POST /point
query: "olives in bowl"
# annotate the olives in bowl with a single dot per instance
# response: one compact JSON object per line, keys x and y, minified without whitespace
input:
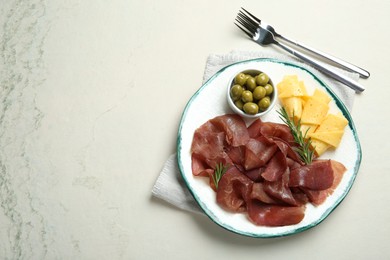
{"x":251,"y":93}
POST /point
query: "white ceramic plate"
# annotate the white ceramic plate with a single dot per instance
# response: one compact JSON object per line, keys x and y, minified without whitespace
{"x":210,"y":101}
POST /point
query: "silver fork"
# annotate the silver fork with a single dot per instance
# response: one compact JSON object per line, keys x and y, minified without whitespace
{"x":362,"y":73}
{"x":264,"y":37}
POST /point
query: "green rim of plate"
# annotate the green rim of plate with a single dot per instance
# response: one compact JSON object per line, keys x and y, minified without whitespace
{"x":204,"y":207}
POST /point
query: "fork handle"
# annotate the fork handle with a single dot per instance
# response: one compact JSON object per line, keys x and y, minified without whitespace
{"x":326,"y":70}
{"x":363,"y":73}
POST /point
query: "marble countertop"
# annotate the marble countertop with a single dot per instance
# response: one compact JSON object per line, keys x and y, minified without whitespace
{"x":91,"y":96}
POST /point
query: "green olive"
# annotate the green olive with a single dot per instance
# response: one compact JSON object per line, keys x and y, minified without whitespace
{"x":239,"y":104}
{"x":236,"y":92}
{"x":269,"y":89}
{"x":251,"y":83}
{"x":250,"y":108}
{"x":247,"y":96}
{"x":264,"y":103}
{"x":240,"y":79}
{"x":262,"y":79}
{"x":259,"y":93}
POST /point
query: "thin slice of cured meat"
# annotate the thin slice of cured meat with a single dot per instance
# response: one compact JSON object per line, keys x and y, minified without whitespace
{"x":233,"y":190}
{"x":281,"y":131}
{"x":275,"y":168}
{"x":199,"y":167}
{"x":234,"y":127}
{"x":236,"y":154}
{"x":258,"y":152}
{"x":270,"y":129}
{"x":292,"y":164}
{"x":208,"y":149}
{"x":280,"y":190}
{"x":254,"y":128}
{"x":208,"y":141}
{"x":274,"y":215}
{"x":255,"y":174}
{"x":258,"y":193}
{"x":317,"y":197}
{"x":287,"y":149}
{"x":316,"y":176}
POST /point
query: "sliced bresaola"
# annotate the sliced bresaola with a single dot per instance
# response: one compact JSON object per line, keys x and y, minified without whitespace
{"x":317,"y":197}
{"x":276,"y":167}
{"x":254,"y":128}
{"x":233,"y":191}
{"x":270,"y":129}
{"x":281,"y":131}
{"x":236,"y":154}
{"x":208,"y":149}
{"x":316,"y":176}
{"x":266,"y":177}
{"x":234,"y":128}
{"x":208,"y":141}
{"x":258,"y":152}
{"x":199,"y":167}
{"x":258,"y":193}
{"x":280,"y":189}
{"x":255,"y":174}
{"x":287,"y":149}
{"x":274,"y":215}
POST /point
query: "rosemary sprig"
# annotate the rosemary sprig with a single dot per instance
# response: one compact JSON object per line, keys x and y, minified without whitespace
{"x":304,"y":143}
{"x":219,"y":171}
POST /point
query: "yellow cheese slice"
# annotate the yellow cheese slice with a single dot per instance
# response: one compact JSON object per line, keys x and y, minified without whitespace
{"x":321,"y":96}
{"x":333,"y":122}
{"x":319,"y":147}
{"x":282,"y":86}
{"x":286,"y":82}
{"x":314,"y":111}
{"x":308,"y":129}
{"x":290,"y":86}
{"x":294,"y":90}
{"x":293,"y":106}
{"x":332,"y":138}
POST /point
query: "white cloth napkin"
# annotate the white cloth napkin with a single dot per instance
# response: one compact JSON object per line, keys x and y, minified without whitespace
{"x":169,"y":185}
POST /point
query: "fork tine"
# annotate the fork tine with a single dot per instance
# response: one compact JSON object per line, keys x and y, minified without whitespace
{"x":244,"y":30}
{"x":247,"y":23}
{"x":250,"y":22}
{"x":251,"y":15}
{"x":245,"y":26}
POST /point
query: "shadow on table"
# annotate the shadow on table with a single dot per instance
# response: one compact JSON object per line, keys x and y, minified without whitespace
{"x":206,"y":225}
{"x":221,"y":234}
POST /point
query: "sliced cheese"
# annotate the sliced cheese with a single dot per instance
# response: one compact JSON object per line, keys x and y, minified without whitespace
{"x":325,"y":130}
{"x":319,"y":147}
{"x":314,"y":111}
{"x":308,"y":129}
{"x":290,"y":86}
{"x":293,"y":106}
{"x":333,"y":122}
{"x":332,"y":138}
{"x":286,"y":82}
{"x":321,"y":96}
{"x":293,"y":90}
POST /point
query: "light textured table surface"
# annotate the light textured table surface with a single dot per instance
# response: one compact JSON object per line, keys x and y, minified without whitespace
{"x":91,"y":97}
